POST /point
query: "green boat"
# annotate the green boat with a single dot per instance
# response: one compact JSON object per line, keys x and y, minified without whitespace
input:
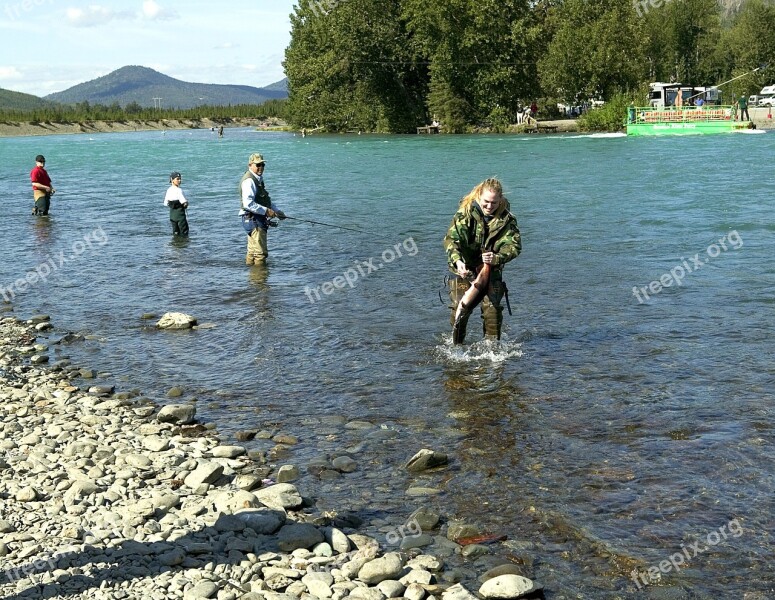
{"x":689,"y":120}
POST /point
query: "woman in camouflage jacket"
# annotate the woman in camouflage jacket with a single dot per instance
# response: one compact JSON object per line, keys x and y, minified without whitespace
{"x":482,"y":231}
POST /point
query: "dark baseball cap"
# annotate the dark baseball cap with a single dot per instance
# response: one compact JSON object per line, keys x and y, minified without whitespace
{"x":175,"y":175}
{"x":40,"y":158}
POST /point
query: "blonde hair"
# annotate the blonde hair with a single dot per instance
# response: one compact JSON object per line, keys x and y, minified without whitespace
{"x":491,"y":184}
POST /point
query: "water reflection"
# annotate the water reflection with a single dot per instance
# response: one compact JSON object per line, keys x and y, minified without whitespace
{"x":258,"y":277}
{"x":42,"y":228}
{"x":179,"y":241}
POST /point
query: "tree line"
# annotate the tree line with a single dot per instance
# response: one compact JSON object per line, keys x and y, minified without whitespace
{"x":391,"y":65}
{"x":83,"y":112}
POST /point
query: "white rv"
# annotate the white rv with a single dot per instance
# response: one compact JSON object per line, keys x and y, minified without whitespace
{"x":664,"y":94}
{"x":767,"y":96}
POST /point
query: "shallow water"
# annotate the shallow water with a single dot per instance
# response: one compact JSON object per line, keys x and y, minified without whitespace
{"x":612,"y":433}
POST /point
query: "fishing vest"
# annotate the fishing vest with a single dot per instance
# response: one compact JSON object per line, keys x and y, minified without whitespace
{"x":262,"y":196}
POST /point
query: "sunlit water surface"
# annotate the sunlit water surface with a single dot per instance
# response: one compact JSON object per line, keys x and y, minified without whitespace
{"x":610,"y":432}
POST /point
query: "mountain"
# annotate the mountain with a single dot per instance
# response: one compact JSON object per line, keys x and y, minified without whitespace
{"x":143,"y":85}
{"x":278,"y":86}
{"x":18,"y":101}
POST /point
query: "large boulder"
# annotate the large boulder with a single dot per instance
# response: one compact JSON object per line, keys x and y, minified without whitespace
{"x":380,"y":569}
{"x":176,"y":320}
{"x":263,"y":521}
{"x":508,"y":586}
{"x":280,"y":495}
{"x":293,"y":536}
{"x":178,"y":414}
{"x":206,"y":472}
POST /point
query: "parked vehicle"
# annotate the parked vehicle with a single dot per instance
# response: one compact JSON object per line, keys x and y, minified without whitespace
{"x":765,"y":97}
{"x":664,"y":94}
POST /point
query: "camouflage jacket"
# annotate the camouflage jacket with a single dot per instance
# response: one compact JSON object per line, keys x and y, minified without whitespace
{"x":469,"y":236}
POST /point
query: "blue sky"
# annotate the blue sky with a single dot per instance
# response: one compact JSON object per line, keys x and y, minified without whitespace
{"x":50,"y":45}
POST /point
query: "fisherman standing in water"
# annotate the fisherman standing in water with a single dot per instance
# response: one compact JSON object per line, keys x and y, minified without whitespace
{"x":177,"y":204}
{"x":42,"y":190}
{"x":482,"y":238}
{"x":256,"y":209}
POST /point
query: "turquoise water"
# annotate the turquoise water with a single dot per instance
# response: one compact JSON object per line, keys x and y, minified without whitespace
{"x":609,"y":431}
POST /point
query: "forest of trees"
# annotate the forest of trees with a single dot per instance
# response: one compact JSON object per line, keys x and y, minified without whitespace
{"x":83,"y":112}
{"x":391,"y":65}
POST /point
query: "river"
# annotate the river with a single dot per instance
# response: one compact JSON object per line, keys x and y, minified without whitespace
{"x":625,"y":419}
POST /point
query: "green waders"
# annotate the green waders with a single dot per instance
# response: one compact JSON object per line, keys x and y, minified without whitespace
{"x":492,"y":311}
{"x":42,"y":204}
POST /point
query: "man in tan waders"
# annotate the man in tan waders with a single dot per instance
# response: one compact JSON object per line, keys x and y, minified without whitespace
{"x":256,"y":209}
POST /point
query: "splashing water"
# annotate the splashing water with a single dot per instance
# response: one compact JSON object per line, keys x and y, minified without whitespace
{"x":485,"y":350}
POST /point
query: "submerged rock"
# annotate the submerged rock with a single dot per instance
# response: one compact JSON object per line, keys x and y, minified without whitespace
{"x":426,"y":459}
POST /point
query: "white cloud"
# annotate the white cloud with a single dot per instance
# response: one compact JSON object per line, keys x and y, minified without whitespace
{"x":93,"y":16}
{"x":9,"y":73}
{"x":226,"y":46}
{"x":152,"y":11}
{"x":96,"y":15}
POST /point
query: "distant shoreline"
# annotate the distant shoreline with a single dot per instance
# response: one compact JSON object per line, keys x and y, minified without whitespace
{"x":19,"y":128}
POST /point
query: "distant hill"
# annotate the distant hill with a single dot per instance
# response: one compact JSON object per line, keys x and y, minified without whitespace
{"x":278,"y":86}
{"x":142,"y":85}
{"x":18,"y":101}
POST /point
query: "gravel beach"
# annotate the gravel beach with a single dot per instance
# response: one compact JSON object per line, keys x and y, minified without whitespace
{"x":18,"y":128}
{"x":106,"y":495}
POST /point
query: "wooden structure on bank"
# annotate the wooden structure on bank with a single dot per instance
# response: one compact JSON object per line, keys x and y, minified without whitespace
{"x":429,"y":129}
{"x":538,"y":128}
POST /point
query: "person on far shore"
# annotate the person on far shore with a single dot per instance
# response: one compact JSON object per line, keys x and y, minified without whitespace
{"x":256,"y":209}
{"x":42,"y":189}
{"x":483,"y":230}
{"x":743,"y":104}
{"x":177,"y":204}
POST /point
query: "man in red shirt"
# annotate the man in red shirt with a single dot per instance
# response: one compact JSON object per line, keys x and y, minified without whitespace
{"x":42,"y":190}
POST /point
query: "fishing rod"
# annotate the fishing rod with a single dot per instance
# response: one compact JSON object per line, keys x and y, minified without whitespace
{"x":92,"y":196}
{"x":271,"y":223}
{"x":325,"y":224}
{"x":715,"y":87}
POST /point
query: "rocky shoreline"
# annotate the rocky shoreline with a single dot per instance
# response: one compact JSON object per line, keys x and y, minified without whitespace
{"x":107,"y":495}
{"x":52,"y":128}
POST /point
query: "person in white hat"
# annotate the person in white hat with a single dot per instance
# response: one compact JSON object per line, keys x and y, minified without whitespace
{"x":256,"y":209}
